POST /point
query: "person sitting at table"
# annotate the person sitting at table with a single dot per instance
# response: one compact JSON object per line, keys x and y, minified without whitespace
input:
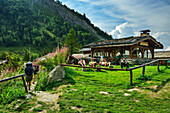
{"x":124,"y":62}
{"x":103,"y":62}
{"x":82,"y":62}
{"x":93,"y":63}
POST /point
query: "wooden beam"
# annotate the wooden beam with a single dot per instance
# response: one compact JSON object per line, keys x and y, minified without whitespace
{"x":121,"y":53}
{"x":92,"y":67}
{"x":92,"y":50}
{"x":142,"y":51}
{"x":109,"y":53}
{"x":130,"y":52}
{"x":6,"y":79}
{"x":152,"y":52}
{"x":147,"y":64}
{"x":114,"y":53}
{"x":142,"y":47}
{"x":24,"y":84}
{"x":158,"y":66}
{"x":166,"y":65}
{"x":131,"y":75}
{"x":22,"y":75}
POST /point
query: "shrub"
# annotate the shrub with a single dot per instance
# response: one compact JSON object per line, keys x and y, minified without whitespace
{"x":13,"y":60}
{"x":10,"y":91}
{"x":53,"y":59}
{"x":3,"y":55}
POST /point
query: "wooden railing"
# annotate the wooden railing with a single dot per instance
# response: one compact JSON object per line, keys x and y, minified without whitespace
{"x":93,"y":67}
{"x":128,"y":69}
{"x":22,"y":75}
{"x":2,"y":62}
{"x":143,"y":65}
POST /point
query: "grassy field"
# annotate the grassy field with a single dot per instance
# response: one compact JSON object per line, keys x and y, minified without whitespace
{"x":106,"y":91}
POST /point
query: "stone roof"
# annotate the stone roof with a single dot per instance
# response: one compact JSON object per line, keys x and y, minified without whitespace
{"x":162,"y":54}
{"x":85,"y":49}
{"x":77,"y":56}
{"x":123,"y":42}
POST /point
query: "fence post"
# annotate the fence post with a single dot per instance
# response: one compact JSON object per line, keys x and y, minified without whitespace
{"x":24,"y":84}
{"x":131,"y":77}
{"x":143,"y":70}
{"x":166,"y":63}
{"x":158,"y":66}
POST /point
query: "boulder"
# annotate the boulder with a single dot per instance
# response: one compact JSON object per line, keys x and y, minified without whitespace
{"x":57,"y":74}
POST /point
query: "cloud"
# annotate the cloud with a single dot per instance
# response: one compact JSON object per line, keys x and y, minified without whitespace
{"x":123,"y":18}
{"x":126,"y":30}
{"x":123,"y":30}
{"x":168,"y":49}
{"x":150,"y":14}
{"x":164,"y":38}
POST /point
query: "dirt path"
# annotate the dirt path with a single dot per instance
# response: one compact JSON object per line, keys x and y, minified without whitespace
{"x":47,"y":97}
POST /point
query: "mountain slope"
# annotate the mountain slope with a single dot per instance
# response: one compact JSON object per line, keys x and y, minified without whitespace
{"x":42,"y":23}
{"x":69,"y":15}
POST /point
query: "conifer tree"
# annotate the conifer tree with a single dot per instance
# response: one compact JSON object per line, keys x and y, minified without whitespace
{"x":72,"y":42}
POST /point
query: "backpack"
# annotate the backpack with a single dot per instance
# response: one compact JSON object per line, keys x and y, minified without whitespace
{"x":28,"y":70}
{"x":37,"y":68}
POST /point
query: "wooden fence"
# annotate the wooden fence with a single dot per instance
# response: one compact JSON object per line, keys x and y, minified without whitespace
{"x":128,"y":69}
{"x":2,"y":62}
{"x":143,"y":65}
{"x":22,"y":75}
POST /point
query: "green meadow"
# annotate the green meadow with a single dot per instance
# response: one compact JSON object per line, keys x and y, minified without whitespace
{"x":103,"y":92}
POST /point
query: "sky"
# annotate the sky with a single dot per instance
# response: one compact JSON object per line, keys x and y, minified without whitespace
{"x":124,"y":18}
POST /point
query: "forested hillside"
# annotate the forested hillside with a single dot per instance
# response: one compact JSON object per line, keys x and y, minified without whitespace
{"x":23,"y":25}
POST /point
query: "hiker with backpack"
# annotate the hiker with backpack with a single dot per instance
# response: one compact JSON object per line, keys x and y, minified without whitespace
{"x":29,"y":71}
{"x":36,"y":69}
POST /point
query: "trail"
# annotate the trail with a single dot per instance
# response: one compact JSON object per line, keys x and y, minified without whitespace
{"x":47,"y":97}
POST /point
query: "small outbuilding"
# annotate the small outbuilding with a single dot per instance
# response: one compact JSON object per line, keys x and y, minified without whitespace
{"x":132,"y":47}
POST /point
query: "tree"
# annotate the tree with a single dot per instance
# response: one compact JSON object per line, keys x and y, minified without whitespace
{"x":72,"y":42}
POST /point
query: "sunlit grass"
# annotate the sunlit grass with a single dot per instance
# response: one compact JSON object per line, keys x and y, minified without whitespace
{"x":89,"y":84}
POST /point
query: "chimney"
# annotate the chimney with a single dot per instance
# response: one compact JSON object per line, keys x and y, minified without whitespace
{"x":145,"y":33}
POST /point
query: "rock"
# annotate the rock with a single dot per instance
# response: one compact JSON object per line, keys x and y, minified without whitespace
{"x":76,"y":108}
{"x":73,"y":90}
{"x":120,"y":91}
{"x":16,"y":106}
{"x":137,"y":101}
{"x":126,"y":94}
{"x":53,"y":89}
{"x":18,"y":100}
{"x":103,"y":92}
{"x":134,"y":89}
{"x":29,"y":96}
{"x":57,"y":74}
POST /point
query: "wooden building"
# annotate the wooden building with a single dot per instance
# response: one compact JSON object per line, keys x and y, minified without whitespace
{"x":138,"y":46}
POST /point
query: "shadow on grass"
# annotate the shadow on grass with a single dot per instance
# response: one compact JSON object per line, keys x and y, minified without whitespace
{"x":161,"y":85}
{"x":142,"y":79}
{"x":163,"y":70}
